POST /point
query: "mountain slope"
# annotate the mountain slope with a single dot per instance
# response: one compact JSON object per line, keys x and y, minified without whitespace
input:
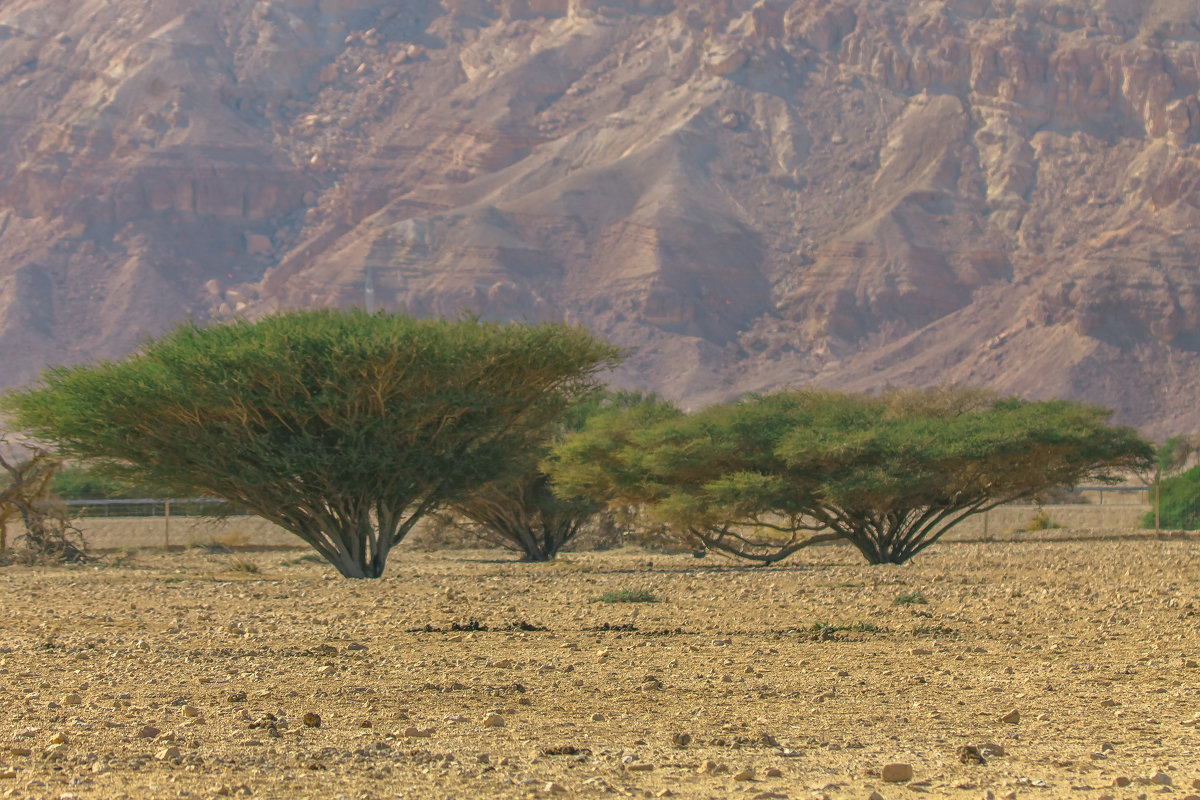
{"x":852,"y":193}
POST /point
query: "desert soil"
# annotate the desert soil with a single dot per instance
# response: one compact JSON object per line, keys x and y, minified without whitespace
{"x":190,"y":674}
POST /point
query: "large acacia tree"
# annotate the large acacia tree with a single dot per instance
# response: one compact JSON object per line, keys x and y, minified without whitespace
{"x":770,"y":474}
{"x":344,"y":428}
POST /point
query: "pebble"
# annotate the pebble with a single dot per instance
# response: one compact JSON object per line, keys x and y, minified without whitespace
{"x":72,"y":699}
{"x":896,"y":773}
{"x":58,"y":738}
{"x":744,"y":775}
{"x":554,"y":788}
{"x":1161,"y":778}
{"x":598,"y":717}
{"x":1121,"y":781}
{"x":311,"y":720}
{"x":167,"y":754}
{"x":875,"y":796}
{"x":493,"y":721}
{"x":190,"y":711}
{"x":774,"y":772}
{"x":1012,"y":717}
{"x":148,"y":732}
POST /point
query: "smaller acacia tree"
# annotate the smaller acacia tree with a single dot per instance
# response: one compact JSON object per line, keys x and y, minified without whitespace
{"x":712,"y":477}
{"x":895,"y":472}
{"x":344,"y":428}
{"x":522,"y":511}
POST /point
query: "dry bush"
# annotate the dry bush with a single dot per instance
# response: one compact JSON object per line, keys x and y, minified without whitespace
{"x":49,"y":535}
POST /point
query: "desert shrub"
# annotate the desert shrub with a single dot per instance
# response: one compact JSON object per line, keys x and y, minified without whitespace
{"x":1041,"y":521}
{"x":1179,"y":502}
{"x":49,"y":535}
{"x":910,"y":598}
{"x":344,"y":428}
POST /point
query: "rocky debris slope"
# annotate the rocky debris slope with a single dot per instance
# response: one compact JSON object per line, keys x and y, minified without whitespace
{"x":850,"y":192}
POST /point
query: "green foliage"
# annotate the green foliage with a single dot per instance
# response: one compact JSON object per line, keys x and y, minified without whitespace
{"x":88,"y":483}
{"x":344,"y":428}
{"x":910,"y":598}
{"x":1179,"y":502}
{"x":1041,"y":521}
{"x":629,"y":596}
{"x":770,"y":474}
{"x":712,"y":475}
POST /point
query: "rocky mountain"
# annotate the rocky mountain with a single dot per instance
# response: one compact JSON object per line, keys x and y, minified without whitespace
{"x":850,"y":193}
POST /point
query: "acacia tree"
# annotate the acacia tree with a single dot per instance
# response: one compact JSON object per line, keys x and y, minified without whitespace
{"x":712,"y":476}
{"x":344,"y":428}
{"x":895,"y":472}
{"x":770,"y":474}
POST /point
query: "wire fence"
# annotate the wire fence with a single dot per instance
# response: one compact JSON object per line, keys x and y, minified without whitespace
{"x":153,"y":507}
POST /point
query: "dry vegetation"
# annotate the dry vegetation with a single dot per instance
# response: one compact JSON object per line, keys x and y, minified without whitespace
{"x":464,"y":674}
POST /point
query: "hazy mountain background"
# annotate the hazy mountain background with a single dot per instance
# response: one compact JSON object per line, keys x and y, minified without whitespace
{"x":851,"y":194}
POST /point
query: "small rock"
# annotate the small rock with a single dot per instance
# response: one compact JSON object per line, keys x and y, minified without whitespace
{"x":191,"y":711}
{"x":167,"y":754}
{"x":744,"y":775}
{"x":969,"y":754}
{"x":72,"y":699}
{"x":707,"y":767}
{"x":311,"y":720}
{"x":1121,"y":781}
{"x":774,"y":772}
{"x":554,"y":788}
{"x":875,"y":796}
{"x":896,"y":773}
{"x":598,"y":717}
{"x":639,"y":767}
{"x":681,"y":739}
{"x":236,"y":697}
{"x":1161,"y":778}
{"x":58,"y":738}
{"x":1012,"y":717}
{"x":148,"y":732}
{"x":493,"y":721}
{"x":1109,"y":703}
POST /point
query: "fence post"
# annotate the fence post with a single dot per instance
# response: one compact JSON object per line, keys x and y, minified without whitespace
{"x":167,"y":525}
{"x":1157,"y":507}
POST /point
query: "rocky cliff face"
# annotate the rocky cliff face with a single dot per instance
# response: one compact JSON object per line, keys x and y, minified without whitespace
{"x":849,"y":193}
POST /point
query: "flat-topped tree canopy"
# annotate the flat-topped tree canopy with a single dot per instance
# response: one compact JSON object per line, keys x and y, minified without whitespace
{"x":895,"y":471}
{"x":767,"y":475}
{"x":342,"y":427}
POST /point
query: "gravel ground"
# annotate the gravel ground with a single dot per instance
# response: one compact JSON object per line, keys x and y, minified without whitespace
{"x":1066,"y":663}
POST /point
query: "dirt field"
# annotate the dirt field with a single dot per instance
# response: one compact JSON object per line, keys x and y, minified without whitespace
{"x":190,"y":674}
